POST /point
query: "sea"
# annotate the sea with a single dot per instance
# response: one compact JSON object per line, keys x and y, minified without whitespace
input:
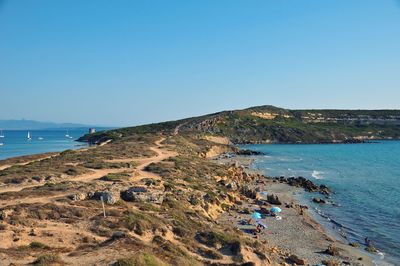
{"x":15,"y":142}
{"x":365,"y":179}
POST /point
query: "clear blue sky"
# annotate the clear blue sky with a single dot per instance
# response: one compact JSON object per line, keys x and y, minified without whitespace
{"x":133,"y":62}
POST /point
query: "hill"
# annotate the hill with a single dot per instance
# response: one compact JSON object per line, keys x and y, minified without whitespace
{"x":269,"y":124}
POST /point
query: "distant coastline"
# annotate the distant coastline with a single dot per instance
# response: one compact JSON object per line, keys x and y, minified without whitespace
{"x":24,"y":124}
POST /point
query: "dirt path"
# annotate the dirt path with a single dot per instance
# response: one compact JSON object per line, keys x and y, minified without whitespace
{"x":96,"y":174}
{"x":144,"y":162}
{"x":176,"y":130}
{"x":2,"y":167}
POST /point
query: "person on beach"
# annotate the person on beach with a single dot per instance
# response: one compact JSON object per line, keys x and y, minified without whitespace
{"x":368,"y":242}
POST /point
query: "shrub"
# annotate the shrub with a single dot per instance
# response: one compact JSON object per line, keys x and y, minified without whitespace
{"x":354,"y":244}
{"x":116,"y":177}
{"x":371,"y":249}
{"x":140,"y":222}
{"x":180,"y":231}
{"x":71,"y":171}
{"x":38,"y":245}
{"x":218,"y":239}
{"x":210,"y":254}
{"x":143,"y":259}
{"x":47,"y":259}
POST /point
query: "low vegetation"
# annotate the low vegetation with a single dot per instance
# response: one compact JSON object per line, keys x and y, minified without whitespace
{"x":116,"y":177}
{"x":143,"y":259}
{"x":47,"y":260}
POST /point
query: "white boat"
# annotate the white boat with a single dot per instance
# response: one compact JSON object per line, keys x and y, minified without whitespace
{"x":1,"y":144}
{"x":29,"y":137}
{"x":1,"y":134}
{"x":40,"y":138}
{"x":68,"y":135}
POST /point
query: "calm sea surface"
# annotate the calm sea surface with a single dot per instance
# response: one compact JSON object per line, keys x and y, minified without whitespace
{"x":15,"y":142}
{"x":365,"y":179}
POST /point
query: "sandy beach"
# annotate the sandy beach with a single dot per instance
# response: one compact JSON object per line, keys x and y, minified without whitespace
{"x":296,"y":232}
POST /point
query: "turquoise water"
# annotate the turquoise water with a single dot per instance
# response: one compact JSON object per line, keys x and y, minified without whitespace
{"x":365,"y":179}
{"x":15,"y":142}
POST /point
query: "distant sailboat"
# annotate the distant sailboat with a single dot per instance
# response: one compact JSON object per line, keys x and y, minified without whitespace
{"x":68,"y":136}
{"x":29,"y":137}
{"x":1,"y":134}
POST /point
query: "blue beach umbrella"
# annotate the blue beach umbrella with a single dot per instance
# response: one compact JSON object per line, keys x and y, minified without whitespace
{"x":262,"y":224}
{"x":276,"y":209}
{"x":256,"y":215}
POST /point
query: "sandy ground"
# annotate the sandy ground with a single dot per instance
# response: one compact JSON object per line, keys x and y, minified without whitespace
{"x":66,"y":236}
{"x":95,"y":174}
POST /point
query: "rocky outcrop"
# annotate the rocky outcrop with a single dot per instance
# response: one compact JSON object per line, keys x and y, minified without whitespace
{"x":273,"y":199}
{"x":142,"y":194}
{"x":249,"y":192}
{"x":302,"y":182}
{"x":249,"y":153}
{"x":109,"y":197}
{"x":296,"y":260}
{"x":216,"y":150}
{"x":78,"y":196}
{"x":319,"y":200}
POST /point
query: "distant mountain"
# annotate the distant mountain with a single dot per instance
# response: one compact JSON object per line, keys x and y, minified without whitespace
{"x":35,"y":125}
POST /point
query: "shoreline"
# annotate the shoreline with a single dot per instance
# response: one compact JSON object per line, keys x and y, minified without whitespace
{"x":315,"y":237}
{"x":329,"y":223}
{"x":311,"y":245}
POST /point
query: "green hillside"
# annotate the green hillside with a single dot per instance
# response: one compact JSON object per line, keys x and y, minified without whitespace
{"x":269,"y":124}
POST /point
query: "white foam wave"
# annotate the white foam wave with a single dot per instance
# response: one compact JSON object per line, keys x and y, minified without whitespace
{"x":317,"y":174}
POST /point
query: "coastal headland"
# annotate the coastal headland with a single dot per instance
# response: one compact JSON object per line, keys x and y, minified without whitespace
{"x":162,"y":194}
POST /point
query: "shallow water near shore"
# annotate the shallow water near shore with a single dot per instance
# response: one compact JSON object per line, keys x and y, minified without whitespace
{"x":15,"y":142}
{"x":365,"y":179}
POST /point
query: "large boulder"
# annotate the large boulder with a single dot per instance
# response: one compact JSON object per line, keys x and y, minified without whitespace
{"x":109,"y":197}
{"x":273,"y":199}
{"x":250,"y":192}
{"x":295,"y":259}
{"x":319,"y":200}
{"x":141,"y":194}
{"x":78,"y":196}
